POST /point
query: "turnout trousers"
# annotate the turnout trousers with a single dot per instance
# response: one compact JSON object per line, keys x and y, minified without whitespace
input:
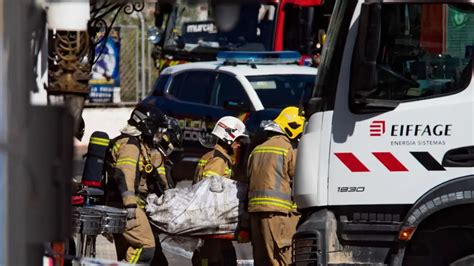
{"x":137,"y":244}
{"x":271,"y":235}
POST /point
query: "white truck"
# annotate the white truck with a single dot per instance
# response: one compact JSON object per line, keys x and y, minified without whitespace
{"x":385,"y":169}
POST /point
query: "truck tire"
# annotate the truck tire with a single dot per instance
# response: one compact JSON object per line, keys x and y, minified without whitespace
{"x":466,"y":261}
{"x":443,"y":239}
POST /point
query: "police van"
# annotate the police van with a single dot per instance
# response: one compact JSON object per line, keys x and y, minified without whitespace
{"x":251,"y":86}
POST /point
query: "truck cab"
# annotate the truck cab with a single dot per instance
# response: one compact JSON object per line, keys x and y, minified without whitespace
{"x":385,"y":166}
{"x":189,"y":31}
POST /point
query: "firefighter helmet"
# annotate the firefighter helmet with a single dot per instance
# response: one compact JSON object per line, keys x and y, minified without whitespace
{"x":290,"y":121}
{"x":229,"y":128}
{"x":148,"y":119}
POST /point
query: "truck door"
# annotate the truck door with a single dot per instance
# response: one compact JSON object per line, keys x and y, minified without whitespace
{"x":403,"y":117}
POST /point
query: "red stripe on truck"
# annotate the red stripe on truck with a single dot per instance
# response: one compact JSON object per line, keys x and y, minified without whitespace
{"x":351,"y":162}
{"x":390,"y":161}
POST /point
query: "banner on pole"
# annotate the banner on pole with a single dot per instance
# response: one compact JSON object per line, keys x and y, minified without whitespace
{"x":105,"y":80}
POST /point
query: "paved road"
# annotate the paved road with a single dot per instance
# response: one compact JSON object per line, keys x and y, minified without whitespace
{"x":243,"y":251}
{"x":106,"y":249}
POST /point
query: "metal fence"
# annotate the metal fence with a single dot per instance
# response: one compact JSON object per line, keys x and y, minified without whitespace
{"x":137,"y":71}
{"x":129,"y":63}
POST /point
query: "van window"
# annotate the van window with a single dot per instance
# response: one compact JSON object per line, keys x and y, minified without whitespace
{"x":193,"y":86}
{"x":160,"y":84}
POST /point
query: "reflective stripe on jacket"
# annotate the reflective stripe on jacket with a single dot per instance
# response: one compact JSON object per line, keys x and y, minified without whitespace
{"x":214,"y":163}
{"x":271,"y":170}
{"x":129,"y":158}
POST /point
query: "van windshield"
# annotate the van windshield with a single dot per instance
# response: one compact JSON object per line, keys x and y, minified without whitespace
{"x":279,"y":91}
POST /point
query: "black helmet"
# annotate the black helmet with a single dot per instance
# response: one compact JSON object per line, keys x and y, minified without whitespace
{"x":147,"y":119}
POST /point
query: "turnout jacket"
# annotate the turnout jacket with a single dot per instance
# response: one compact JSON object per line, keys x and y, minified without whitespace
{"x":271,"y":168}
{"x":133,"y":168}
{"x":216,"y":162}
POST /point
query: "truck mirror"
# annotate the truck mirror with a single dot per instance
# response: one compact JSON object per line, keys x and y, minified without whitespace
{"x":154,"y":35}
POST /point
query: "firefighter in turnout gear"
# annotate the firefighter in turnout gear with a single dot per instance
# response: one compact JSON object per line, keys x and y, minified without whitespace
{"x":271,"y":167}
{"x":133,"y":173}
{"x":229,"y":132}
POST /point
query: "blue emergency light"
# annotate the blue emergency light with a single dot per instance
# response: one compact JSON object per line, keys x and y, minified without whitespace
{"x":283,"y":57}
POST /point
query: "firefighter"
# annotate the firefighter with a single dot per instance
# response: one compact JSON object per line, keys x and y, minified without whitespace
{"x":166,"y":140}
{"x":133,"y":173}
{"x":271,"y":167}
{"x":230,"y":132}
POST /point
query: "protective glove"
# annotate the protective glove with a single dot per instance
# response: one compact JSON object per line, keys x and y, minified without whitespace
{"x":131,"y":212}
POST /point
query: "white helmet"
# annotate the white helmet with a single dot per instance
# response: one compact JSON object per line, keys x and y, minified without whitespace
{"x":229,"y":128}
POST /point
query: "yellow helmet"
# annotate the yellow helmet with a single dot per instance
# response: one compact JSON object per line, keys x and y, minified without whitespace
{"x":290,"y":121}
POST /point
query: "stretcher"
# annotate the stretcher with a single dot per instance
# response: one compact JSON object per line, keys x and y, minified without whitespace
{"x":213,"y":208}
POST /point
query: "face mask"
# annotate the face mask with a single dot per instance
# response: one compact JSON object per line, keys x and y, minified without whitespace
{"x":163,"y":141}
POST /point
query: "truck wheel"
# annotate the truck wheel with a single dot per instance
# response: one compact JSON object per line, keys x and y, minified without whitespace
{"x":446,"y":238}
{"x":466,"y":261}
{"x":440,"y":247}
